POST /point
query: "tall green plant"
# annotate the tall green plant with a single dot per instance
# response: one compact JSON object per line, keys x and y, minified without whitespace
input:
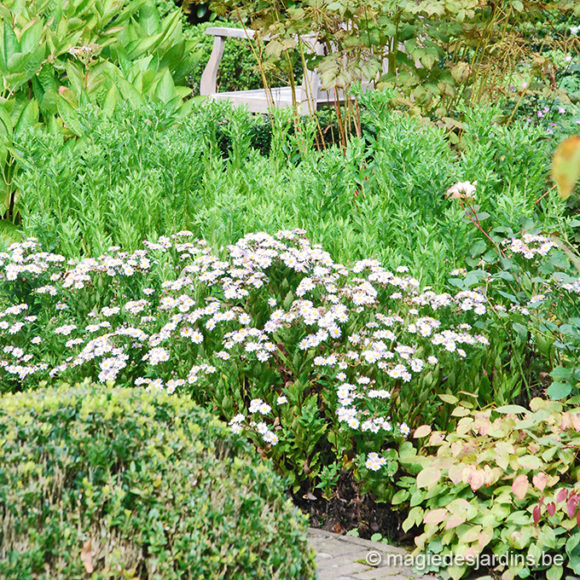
{"x":59,"y":55}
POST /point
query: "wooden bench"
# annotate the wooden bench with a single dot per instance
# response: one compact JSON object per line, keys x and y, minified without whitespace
{"x":309,"y":95}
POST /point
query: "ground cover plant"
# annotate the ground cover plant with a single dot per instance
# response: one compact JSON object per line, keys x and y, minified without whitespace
{"x":119,"y":483}
{"x":504,"y":482}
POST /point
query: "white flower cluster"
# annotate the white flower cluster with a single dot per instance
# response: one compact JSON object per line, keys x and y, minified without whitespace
{"x":275,"y":303}
{"x":530,"y":245}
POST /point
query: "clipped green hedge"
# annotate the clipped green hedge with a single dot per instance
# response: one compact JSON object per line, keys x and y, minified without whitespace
{"x":122,"y":483}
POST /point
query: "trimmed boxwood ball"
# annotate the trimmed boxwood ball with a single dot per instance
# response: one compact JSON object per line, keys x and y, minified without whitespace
{"x":121,"y":483}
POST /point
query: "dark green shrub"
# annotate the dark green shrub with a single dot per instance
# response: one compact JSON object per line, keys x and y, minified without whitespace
{"x":125,"y":483}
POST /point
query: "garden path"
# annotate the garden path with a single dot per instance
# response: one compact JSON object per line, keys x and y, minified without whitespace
{"x":349,"y":558}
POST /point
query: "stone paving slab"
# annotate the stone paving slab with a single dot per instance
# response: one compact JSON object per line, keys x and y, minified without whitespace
{"x":349,"y":558}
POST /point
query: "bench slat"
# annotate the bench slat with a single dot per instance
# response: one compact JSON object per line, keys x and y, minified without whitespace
{"x":230,"y":32}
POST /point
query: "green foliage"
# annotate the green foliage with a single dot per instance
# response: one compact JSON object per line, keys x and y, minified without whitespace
{"x":504,"y":481}
{"x":236,"y":333}
{"x":141,"y":173}
{"x":532,"y":283}
{"x":437,"y":52}
{"x":121,"y":483}
{"x":57,"y":56}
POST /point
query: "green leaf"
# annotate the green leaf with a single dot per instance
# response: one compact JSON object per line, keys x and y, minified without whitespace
{"x":28,"y":118}
{"x":149,"y":19}
{"x":521,"y":330}
{"x":30,"y":39}
{"x":6,"y":126}
{"x":9,"y":233}
{"x":561,"y":373}
{"x":70,"y":116}
{"x":557,"y":390}
{"x":400,"y":496}
{"x":110,"y":101}
{"x":165,"y":90}
{"x":512,"y":409}
{"x":9,"y":46}
{"x":554,"y":573}
{"x":478,"y":248}
{"x":530,"y":462}
{"x":130,"y":93}
{"x":451,"y":399}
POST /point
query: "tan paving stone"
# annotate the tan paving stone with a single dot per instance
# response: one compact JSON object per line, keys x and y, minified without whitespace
{"x":345,"y":558}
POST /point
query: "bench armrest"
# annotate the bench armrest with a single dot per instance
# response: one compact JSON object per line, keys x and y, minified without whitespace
{"x":208,"y":84}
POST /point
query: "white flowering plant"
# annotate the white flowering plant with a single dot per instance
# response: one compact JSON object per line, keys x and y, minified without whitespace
{"x":318,"y":363}
{"x":532,"y":286}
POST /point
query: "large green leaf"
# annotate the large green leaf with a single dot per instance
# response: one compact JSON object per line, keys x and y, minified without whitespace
{"x":31,"y":37}
{"x":149,"y":19}
{"x":70,"y":116}
{"x":9,"y":46}
{"x":130,"y":93}
{"x":28,"y":118}
{"x":111,"y":101}
{"x":9,"y":233}
{"x":165,"y":90}
{"x":6,"y":125}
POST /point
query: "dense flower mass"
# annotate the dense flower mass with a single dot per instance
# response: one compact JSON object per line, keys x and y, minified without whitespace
{"x":274,"y":324}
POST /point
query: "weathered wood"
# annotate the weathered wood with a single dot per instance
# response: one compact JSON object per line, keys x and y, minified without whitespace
{"x":309,"y":95}
{"x":208,"y":84}
{"x":231,"y":32}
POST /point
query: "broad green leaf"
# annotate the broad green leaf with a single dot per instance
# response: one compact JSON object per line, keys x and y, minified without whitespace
{"x":451,"y":399}
{"x":70,"y":116}
{"x":558,"y":390}
{"x":9,"y":233}
{"x":28,"y":117}
{"x":530,"y":462}
{"x":31,"y":36}
{"x":110,"y":101}
{"x":129,"y":92}
{"x":165,"y":90}
{"x":554,"y":572}
{"x":9,"y":45}
{"x":6,"y":125}
{"x":512,"y":409}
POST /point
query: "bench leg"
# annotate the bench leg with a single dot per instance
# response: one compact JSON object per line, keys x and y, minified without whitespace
{"x":208,"y":84}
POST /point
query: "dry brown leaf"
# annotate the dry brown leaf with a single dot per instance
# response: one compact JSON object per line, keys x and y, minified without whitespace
{"x":87,"y":557}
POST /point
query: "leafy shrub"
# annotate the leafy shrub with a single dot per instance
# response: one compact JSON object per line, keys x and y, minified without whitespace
{"x":438,"y":53}
{"x":57,"y":56}
{"x":266,"y":332}
{"x":123,"y":483}
{"x":144,"y":173}
{"x":263,"y":335}
{"x":504,"y":481}
{"x":533,"y":286}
